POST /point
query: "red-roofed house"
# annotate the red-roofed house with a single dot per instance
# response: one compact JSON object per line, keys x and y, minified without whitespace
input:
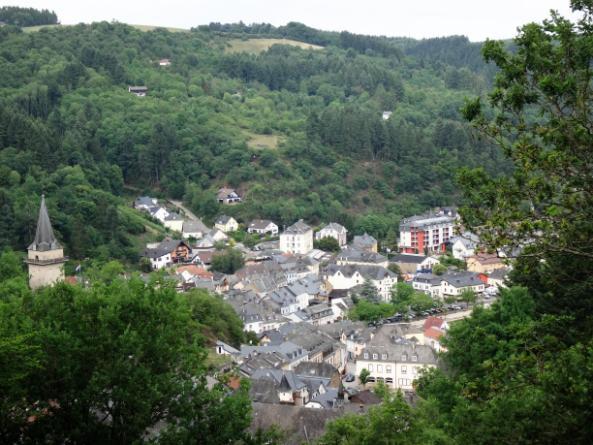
{"x":192,"y":271}
{"x":434,"y":329}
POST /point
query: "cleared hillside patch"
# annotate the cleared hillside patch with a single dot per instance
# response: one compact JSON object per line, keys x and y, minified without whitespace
{"x":263,"y":141}
{"x":255,"y":46}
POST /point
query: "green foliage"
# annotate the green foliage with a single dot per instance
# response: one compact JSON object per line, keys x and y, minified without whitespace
{"x":439,"y":269}
{"x":364,"y":376}
{"x":327,"y":244}
{"x":71,"y":129}
{"x":404,"y":298}
{"x":227,"y":262}
{"x":101,"y":365}
{"x":366,"y":310}
{"x":14,"y":15}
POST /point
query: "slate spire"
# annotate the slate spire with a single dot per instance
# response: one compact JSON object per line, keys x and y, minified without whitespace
{"x":44,"y":236}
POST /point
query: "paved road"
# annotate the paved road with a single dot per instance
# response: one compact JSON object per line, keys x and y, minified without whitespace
{"x":187,"y":211}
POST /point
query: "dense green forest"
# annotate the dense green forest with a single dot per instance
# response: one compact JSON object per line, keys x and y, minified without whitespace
{"x":299,"y":133}
{"x":13,"y":15}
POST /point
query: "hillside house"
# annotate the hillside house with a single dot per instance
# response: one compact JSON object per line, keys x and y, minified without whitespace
{"x":139,"y":91}
{"x":297,"y":238}
{"x":174,"y":221}
{"x":159,"y":213}
{"x":165,"y":62}
{"x":333,"y":230}
{"x":434,"y":329}
{"x":262,"y":227}
{"x":226,"y":224}
{"x":167,"y":253}
{"x":145,"y":203}
{"x":194,"y":229}
{"x":386,"y":115}
{"x":227,"y":196}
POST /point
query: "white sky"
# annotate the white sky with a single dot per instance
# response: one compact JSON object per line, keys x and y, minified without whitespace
{"x":477,"y":19}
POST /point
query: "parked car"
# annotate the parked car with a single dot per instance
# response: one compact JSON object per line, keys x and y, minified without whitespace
{"x":349,"y":378}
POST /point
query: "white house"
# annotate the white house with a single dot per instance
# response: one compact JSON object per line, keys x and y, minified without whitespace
{"x":139,"y":91}
{"x":386,"y":115}
{"x":464,"y":245}
{"x":194,"y":229}
{"x":159,"y":213}
{"x":145,"y":203}
{"x":262,"y":226}
{"x":349,"y":276}
{"x":174,"y":221}
{"x":226,"y":224}
{"x":333,"y":230}
{"x":395,"y":362}
{"x":297,"y":238}
{"x":165,"y":62}
{"x":453,"y":285}
{"x":227,"y":196}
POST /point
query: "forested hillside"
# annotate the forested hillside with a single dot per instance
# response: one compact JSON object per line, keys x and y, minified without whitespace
{"x":298,"y":132}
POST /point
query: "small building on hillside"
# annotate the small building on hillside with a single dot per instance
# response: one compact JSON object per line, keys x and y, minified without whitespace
{"x":194,"y":229}
{"x":167,"y":253}
{"x":145,"y":203}
{"x":410,"y":263}
{"x":174,"y":221}
{"x":226,"y":224}
{"x":165,"y":62}
{"x":139,"y":91}
{"x":262,"y":227}
{"x":227,"y":196}
{"x":333,"y":230}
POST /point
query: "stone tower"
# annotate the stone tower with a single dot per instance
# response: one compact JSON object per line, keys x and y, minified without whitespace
{"x":46,"y":256}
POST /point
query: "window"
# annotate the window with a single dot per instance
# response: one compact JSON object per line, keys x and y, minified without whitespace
{"x":388,"y":369}
{"x":404,"y":357}
{"x":370,"y":368}
{"x":389,"y":380}
{"x":366,"y":355}
{"x":414,"y":358}
{"x":383,"y":356}
{"x":375,"y":356}
{"x":380,"y":369}
{"x":404,"y":369}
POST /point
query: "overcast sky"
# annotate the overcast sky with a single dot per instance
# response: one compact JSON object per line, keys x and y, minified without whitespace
{"x":477,"y":19}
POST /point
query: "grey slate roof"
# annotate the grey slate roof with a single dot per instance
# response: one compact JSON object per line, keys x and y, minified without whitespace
{"x":361,"y":256}
{"x":370,"y":272}
{"x":260,"y":224}
{"x":365,"y":240}
{"x":462,"y":279}
{"x":144,"y":201}
{"x":223,"y":219}
{"x":298,"y":227}
{"x":335,"y":226}
{"x":173,"y":217}
{"x":44,"y":235}
{"x":408,"y":258}
{"x":193,"y":226}
{"x":163,"y":248}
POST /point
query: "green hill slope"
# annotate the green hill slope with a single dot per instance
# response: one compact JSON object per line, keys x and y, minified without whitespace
{"x":299,"y":133}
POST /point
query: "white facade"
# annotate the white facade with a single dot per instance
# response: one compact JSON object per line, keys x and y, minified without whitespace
{"x":396,"y":374}
{"x":160,"y":214}
{"x":461,"y":250}
{"x":333,"y":230}
{"x":174,"y":224}
{"x":270,"y":228}
{"x":229,"y":226}
{"x":340,"y":280}
{"x":161,"y":262}
{"x":299,"y":240}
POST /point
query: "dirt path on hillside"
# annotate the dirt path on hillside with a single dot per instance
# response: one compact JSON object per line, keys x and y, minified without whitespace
{"x":188,"y":213}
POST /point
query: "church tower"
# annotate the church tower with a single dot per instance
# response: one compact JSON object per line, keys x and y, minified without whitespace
{"x":46,"y":256}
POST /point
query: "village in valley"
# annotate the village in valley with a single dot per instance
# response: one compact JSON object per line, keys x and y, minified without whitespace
{"x":296,"y":300}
